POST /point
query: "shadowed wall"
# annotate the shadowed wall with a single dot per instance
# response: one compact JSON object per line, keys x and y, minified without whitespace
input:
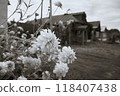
{"x":3,"y":11}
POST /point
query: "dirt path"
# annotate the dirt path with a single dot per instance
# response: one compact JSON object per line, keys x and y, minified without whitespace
{"x":96,"y":61}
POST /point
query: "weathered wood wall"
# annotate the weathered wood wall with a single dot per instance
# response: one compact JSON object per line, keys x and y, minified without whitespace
{"x":3,"y":12}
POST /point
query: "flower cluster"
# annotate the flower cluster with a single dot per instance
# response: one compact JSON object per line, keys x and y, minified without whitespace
{"x":30,"y":62}
{"x":67,"y":55}
{"x":46,"y":75}
{"x":24,"y":36}
{"x":3,"y":68}
{"x":61,"y":69}
{"x":7,"y":66}
{"x":47,"y":43}
{"x":34,"y":48}
{"x":10,"y":65}
{"x":12,"y":32}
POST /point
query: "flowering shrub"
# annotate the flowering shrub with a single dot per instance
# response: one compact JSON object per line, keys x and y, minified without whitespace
{"x":42,"y":59}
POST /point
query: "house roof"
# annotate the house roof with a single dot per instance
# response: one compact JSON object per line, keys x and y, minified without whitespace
{"x":63,"y":18}
{"x":77,"y":17}
{"x":95,"y":23}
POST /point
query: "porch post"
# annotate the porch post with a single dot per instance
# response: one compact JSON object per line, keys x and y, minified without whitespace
{"x":69,"y":30}
{"x":83,"y":38}
{"x":86,"y":36}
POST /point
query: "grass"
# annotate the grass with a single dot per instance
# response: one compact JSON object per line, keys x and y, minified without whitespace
{"x":95,"y":61}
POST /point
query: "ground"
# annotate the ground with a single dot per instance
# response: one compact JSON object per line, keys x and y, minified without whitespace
{"x":95,"y":61}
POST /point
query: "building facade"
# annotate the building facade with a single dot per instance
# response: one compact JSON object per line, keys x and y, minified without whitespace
{"x":3,"y":14}
{"x":71,"y":28}
{"x":96,"y":29}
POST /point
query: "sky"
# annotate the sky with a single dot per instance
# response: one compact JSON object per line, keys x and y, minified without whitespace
{"x":106,"y":11}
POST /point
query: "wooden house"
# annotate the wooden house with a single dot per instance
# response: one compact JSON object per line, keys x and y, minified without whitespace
{"x":103,"y":33}
{"x":96,"y":29}
{"x":71,"y":28}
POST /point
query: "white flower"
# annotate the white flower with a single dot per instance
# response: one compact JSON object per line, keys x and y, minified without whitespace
{"x":30,"y":62}
{"x":11,"y":47}
{"x":61,"y":69}
{"x":67,"y":55}
{"x":3,"y":68}
{"x":15,"y":25}
{"x":9,"y":22}
{"x":3,"y":71}
{"x":24,"y":36}
{"x":32,"y":35}
{"x":22,"y":78}
{"x":18,"y":32}
{"x":7,"y":54}
{"x":7,"y":66}
{"x":12,"y":32}
{"x":20,"y":28}
{"x":14,"y":43}
{"x":46,"y":75}
{"x":34,"y":48}
{"x":47,"y":41}
{"x":2,"y":26}
{"x":10,"y":65}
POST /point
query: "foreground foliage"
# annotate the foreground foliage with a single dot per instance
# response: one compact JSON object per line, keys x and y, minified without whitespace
{"x":39,"y":57}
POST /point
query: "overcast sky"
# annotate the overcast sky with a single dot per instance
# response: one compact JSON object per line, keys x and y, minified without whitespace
{"x":106,"y":11}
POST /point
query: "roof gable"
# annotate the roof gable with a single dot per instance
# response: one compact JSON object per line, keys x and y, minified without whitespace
{"x":95,"y":23}
{"x":77,"y":17}
{"x":64,"y":18}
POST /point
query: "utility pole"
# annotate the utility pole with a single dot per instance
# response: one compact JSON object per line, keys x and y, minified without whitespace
{"x":51,"y":14}
{"x":34,"y":24}
{"x":41,"y":13}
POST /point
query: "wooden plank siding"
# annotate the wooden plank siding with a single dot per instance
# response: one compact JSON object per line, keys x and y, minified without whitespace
{"x":3,"y":14}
